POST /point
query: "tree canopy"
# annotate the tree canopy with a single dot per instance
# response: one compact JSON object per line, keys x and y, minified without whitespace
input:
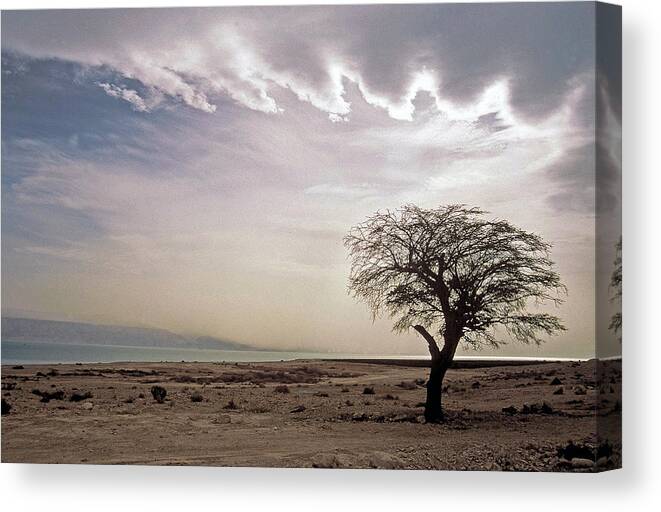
{"x":616,"y":286}
{"x":454,"y":272}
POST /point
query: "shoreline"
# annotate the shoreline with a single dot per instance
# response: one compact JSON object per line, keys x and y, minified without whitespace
{"x":465,"y":362}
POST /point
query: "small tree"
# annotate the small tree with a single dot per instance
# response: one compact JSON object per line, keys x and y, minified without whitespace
{"x":449,"y":273}
{"x":616,"y":286}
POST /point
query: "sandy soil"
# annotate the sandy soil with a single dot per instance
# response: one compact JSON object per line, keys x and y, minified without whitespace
{"x":311,"y":414}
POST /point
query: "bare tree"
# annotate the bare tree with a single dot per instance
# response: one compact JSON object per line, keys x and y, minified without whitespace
{"x":616,"y":286}
{"x":449,"y":273}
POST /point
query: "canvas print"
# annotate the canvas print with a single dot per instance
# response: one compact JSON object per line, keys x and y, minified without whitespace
{"x":366,"y":236}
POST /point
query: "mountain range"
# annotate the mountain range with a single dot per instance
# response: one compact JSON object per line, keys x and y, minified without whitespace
{"x":78,"y":333}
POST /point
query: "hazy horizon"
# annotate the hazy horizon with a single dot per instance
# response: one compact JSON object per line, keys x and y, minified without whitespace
{"x":195,"y":169}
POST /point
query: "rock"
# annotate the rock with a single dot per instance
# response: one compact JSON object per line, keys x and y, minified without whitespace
{"x":510,"y":410}
{"x":559,"y":391}
{"x":546,"y":409}
{"x":405,"y":418}
{"x":530,"y":409}
{"x":326,"y":461}
{"x":475,"y":385}
{"x":579,"y":390}
{"x":223,"y":419}
{"x":79,"y":397}
{"x":578,"y":463}
{"x":602,"y":462}
{"x":359,"y":417}
{"x":368,"y":391}
{"x":298,"y":408}
{"x":47,"y":396}
{"x":159,"y":393}
{"x":572,"y":451}
{"x":6,"y":407}
{"x":556,"y":382}
{"x":382,"y":460}
{"x":605,"y":449}
{"x":87,"y":406}
{"x":18,"y":367}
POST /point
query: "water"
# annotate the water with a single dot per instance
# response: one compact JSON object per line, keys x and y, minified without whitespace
{"x":24,"y":352}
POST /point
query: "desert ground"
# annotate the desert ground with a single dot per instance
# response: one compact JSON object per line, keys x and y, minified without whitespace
{"x":320,"y":414}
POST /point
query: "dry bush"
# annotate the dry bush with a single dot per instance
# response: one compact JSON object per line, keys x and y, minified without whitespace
{"x":159,"y":393}
{"x":407,"y":385}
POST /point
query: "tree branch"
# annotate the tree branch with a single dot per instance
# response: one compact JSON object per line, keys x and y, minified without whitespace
{"x":431,"y":342}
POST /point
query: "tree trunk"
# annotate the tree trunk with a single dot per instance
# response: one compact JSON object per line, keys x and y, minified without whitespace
{"x":441,"y":360}
{"x":433,"y":408}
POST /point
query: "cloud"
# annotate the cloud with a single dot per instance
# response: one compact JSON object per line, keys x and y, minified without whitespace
{"x":357,"y":191}
{"x":252,"y":55}
{"x":129,"y":95}
{"x":270,"y":132}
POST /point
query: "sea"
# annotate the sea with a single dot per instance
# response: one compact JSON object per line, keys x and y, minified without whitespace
{"x":26,"y":352}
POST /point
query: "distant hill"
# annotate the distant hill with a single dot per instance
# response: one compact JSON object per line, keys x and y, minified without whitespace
{"x":27,"y":329}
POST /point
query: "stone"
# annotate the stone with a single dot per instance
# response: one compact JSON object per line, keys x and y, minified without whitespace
{"x":578,"y":463}
{"x":572,"y":451}
{"x":556,"y":382}
{"x":546,"y":409}
{"x":79,"y":397}
{"x":602,"y":462}
{"x":579,"y":390}
{"x":559,"y":391}
{"x":359,"y":417}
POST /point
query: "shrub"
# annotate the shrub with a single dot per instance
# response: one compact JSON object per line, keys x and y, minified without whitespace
{"x":283,"y":388}
{"x":407,"y":385}
{"x":231,"y":405}
{"x":368,"y":391}
{"x":159,"y":393}
{"x":77,"y":397}
{"x":196,"y":397}
{"x":47,"y":396}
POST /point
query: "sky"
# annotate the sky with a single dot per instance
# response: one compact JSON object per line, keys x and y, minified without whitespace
{"x":196,"y":169}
